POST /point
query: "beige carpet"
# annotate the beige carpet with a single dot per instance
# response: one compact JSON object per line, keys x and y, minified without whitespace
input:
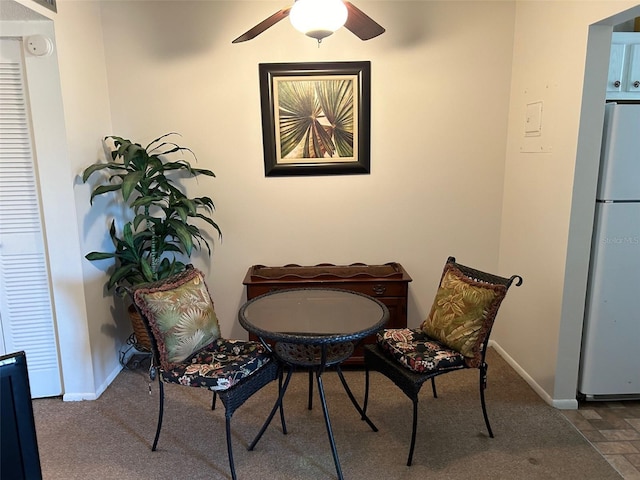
{"x":110,"y":438}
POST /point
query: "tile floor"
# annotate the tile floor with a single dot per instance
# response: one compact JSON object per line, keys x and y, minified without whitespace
{"x":613,"y":428}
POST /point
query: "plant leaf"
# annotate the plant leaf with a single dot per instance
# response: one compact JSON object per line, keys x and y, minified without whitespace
{"x":103,"y":189}
{"x":129,"y":184}
{"x":93,"y":256}
{"x":184,"y":235}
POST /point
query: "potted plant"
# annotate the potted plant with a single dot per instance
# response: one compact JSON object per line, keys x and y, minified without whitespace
{"x":159,"y":235}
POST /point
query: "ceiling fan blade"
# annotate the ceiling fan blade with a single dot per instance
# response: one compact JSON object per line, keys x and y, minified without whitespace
{"x":263,"y":25}
{"x":360,"y":24}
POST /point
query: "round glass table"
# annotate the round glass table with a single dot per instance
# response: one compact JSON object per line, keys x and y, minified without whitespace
{"x":313,"y":328}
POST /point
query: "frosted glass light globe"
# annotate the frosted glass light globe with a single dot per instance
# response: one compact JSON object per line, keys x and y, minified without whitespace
{"x":318,"y":18}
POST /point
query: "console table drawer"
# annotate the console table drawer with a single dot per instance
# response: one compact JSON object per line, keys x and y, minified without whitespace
{"x":387,"y":283}
{"x":376,"y":290}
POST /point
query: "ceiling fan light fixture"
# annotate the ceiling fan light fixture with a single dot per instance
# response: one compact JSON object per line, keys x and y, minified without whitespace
{"x":318,"y":18}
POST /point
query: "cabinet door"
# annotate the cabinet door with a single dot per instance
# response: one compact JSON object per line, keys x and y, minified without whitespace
{"x":633,"y":69}
{"x":616,"y":67}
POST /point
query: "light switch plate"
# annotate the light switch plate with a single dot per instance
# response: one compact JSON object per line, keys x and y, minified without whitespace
{"x":533,"y":120}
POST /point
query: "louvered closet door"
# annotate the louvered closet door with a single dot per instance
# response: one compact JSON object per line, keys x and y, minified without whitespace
{"x":25,"y":299}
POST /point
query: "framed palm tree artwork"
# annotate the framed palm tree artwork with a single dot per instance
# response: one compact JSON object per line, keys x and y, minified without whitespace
{"x":316,"y":118}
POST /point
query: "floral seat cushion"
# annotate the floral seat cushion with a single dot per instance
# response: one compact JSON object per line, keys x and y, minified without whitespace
{"x":416,"y":351}
{"x":220,"y":365}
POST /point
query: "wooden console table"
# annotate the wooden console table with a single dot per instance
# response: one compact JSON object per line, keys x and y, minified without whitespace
{"x":389,"y":283}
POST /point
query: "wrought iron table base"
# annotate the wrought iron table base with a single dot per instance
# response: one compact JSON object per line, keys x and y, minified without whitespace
{"x":318,"y":369}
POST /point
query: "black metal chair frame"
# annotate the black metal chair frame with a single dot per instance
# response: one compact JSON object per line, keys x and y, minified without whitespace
{"x":411,"y":382}
{"x":232,"y":398}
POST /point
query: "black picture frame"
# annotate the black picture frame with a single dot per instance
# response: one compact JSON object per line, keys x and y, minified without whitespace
{"x":318,"y":115}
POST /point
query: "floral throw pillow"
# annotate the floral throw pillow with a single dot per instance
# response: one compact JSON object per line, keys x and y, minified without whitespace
{"x":181,"y":315}
{"x":463,"y":312}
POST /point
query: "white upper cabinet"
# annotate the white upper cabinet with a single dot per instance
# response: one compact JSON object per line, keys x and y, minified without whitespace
{"x":623,"y":82}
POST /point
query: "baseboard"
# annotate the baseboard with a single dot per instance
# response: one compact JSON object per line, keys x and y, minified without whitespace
{"x":566,"y":404}
{"x":77,"y":397}
{"x":110,"y":378}
{"x":561,"y":404}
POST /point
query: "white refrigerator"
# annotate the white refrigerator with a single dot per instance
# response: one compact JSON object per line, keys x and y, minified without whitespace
{"x":610,"y":357}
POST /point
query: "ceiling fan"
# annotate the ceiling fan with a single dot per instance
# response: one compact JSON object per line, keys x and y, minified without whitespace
{"x":357,"y":22}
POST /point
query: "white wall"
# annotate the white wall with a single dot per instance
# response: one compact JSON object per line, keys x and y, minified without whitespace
{"x":439,"y":113}
{"x":438,"y":132}
{"x":447,"y":110}
{"x":88,"y":116}
{"x":543,"y":323}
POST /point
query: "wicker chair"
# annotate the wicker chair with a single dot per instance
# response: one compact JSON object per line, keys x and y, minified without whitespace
{"x":187,"y":349}
{"x":453,"y":337}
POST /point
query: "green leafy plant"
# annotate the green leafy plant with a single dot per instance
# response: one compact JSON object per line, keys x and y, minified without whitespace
{"x":161,"y":233}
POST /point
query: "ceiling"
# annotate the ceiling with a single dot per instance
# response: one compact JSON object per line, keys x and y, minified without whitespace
{"x":14,"y":11}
